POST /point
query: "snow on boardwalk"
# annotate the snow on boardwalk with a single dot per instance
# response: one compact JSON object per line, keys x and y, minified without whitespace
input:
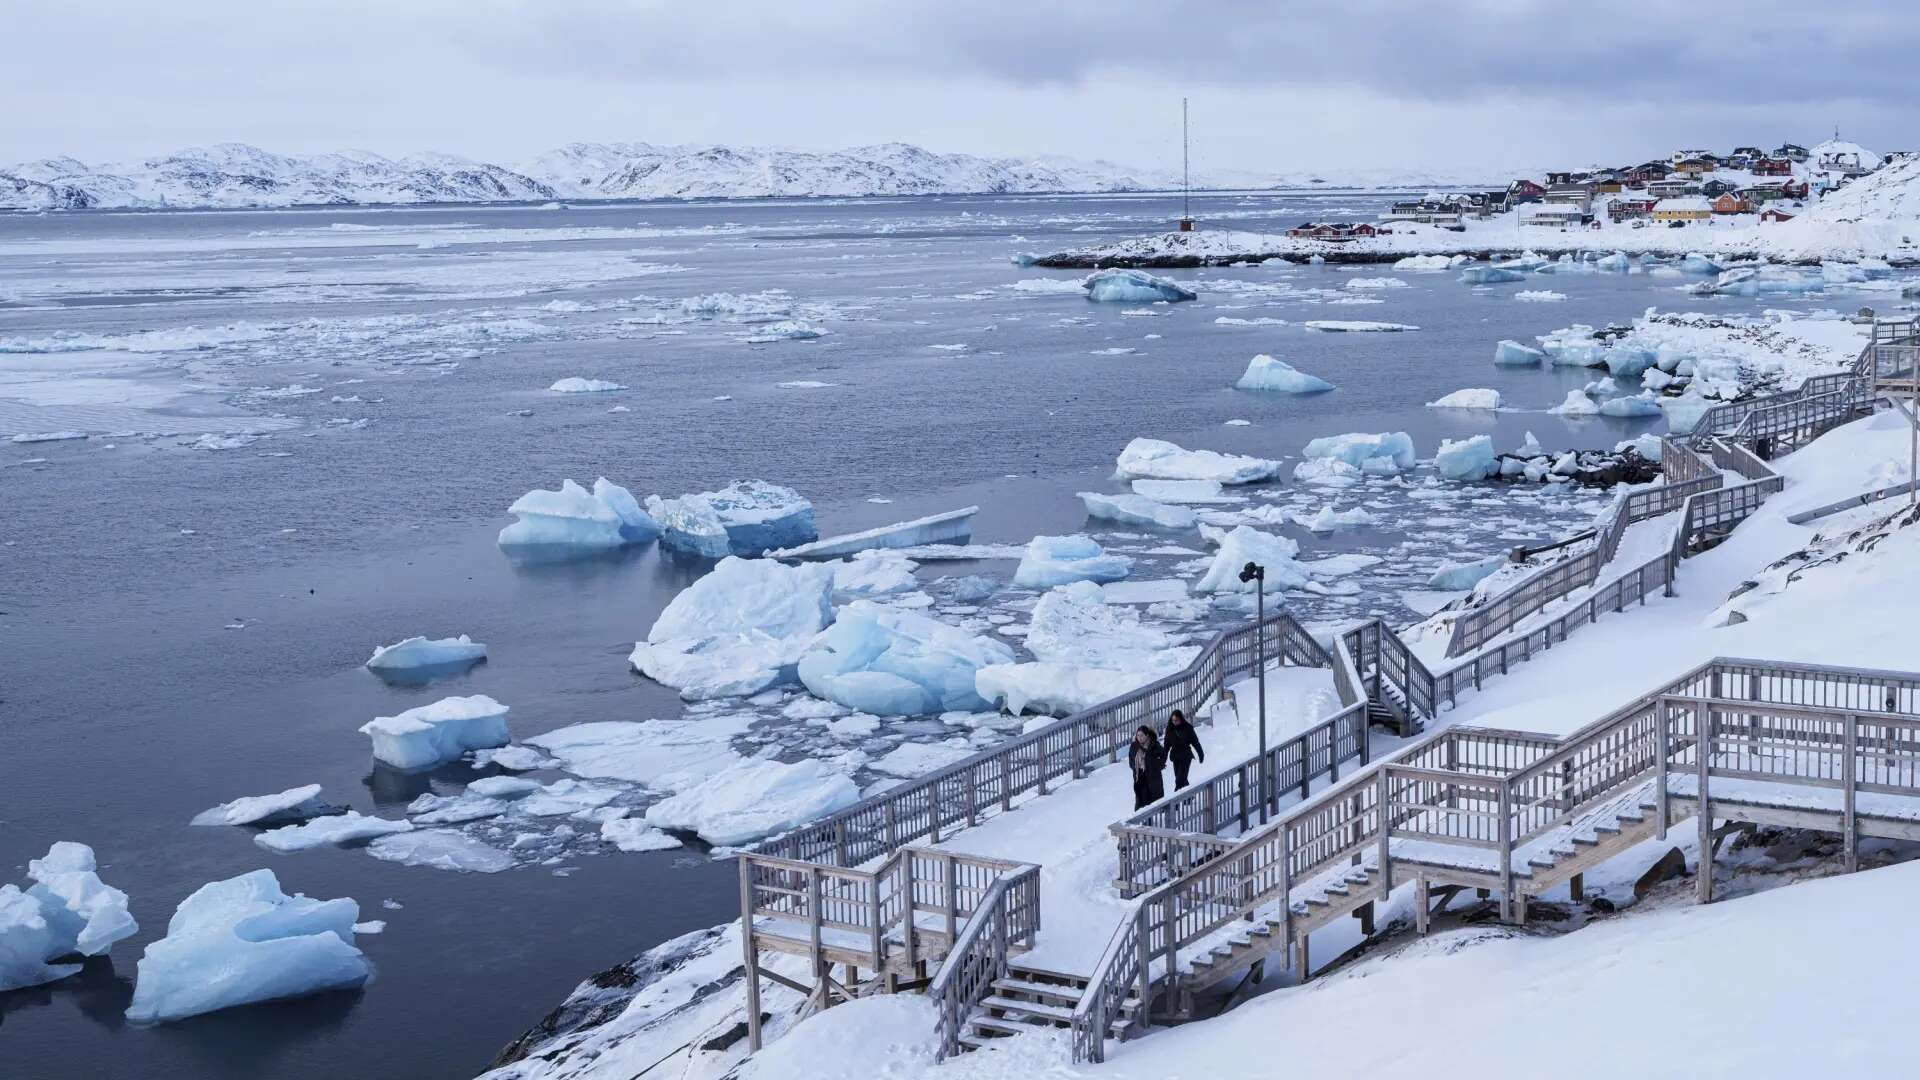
{"x":1065,"y":832}
{"x":1856,"y":615}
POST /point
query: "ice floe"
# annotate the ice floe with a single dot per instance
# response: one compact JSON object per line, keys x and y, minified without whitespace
{"x":68,"y":911}
{"x":286,"y":807}
{"x":1468,"y":399}
{"x":441,"y":849}
{"x":1059,"y":560}
{"x":755,"y":798}
{"x":1245,"y":544}
{"x":1187,"y":492}
{"x":1466,"y":459}
{"x":1157,"y":459}
{"x":430,"y":735}
{"x":1351,"y":326}
{"x":421,"y":657}
{"x":952,"y":526}
{"x":577,"y":385}
{"x":1133,"y":287}
{"x":1510,"y":353}
{"x":1382,"y":454}
{"x":330,"y":831}
{"x":1136,"y":510}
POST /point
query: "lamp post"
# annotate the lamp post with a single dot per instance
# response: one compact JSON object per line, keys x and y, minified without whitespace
{"x":1257,"y":574}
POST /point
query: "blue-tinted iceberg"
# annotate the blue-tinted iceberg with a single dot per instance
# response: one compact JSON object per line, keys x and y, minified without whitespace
{"x":1380,"y":454}
{"x":430,"y":735}
{"x":747,"y":517}
{"x":1513,"y":354}
{"x":1245,"y":544}
{"x":890,"y":662}
{"x":67,"y":911}
{"x":422,"y":652}
{"x":1062,"y":560}
{"x":1137,"y":510}
{"x":1642,"y":404}
{"x":242,"y":940}
{"x":1086,"y":650}
{"x":739,"y":629}
{"x":1490,"y":275}
{"x":571,"y":517}
{"x":1269,"y":373}
{"x":1617,"y":263}
{"x":1133,"y":287}
{"x":1466,"y":459}
{"x":1468,"y":399}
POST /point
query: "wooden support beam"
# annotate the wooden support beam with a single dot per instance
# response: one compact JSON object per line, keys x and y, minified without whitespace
{"x":1576,"y":887}
{"x":1365,"y":914}
{"x":792,"y":984}
{"x":1422,"y":915}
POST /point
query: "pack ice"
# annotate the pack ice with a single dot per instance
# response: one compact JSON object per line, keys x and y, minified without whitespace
{"x":573,"y":517}
{"x":1058,"y":560}
{"x":1157,"y":459}
{"x":889,"y":662}
{"x":1270,"y":373}
{"x":739,"y":629}
{"x":281,"y":808}
{"x":430,"y":735}
{"x":1085,"y":650}
{"x":242,"y":940}
{"x":1133,"y":287}
{"x":755,"y":798}
{"x":1136,"y":510}
{"x":68,"y":911}
{"x":747,"y":517}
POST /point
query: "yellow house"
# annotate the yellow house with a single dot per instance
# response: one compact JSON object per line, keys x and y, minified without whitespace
{"x":1695,"y":209}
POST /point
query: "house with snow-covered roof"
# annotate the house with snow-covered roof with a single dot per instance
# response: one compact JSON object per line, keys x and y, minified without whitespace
{"x":1691,"y":208}
{"x":1731,"y":203}
{"x":1773,"y":215}
{"x":1791,"y":151}
{"x":1772,"y":166}
{"x":1553,"y":215}
{"x":1673,"y":188}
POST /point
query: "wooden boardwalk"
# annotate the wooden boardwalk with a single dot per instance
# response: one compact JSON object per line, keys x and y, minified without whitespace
{"x":1227,"y":876}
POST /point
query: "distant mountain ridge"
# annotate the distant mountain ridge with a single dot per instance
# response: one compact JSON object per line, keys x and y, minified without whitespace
{"x":236,"y":175}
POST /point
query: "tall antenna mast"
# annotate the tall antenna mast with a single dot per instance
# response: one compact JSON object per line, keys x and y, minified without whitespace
{"x":1186,"y":174}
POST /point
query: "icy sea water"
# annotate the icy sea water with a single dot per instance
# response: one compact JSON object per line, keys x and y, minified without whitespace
{"x":183,"y":625}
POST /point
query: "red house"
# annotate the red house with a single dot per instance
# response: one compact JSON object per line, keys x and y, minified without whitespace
{"x":1772,"y":167}
{"x":1775,"y":215}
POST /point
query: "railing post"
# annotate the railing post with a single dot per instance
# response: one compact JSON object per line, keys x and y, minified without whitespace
{"x":749,"y":947}
{"x":1663,"y":735}
{"x":1703,"y":809}
{"x":1006,"y":782}
{"x":1382,"y":807}
{"x":1505,"y":823}
{"x":1142,"y":949}
{"x":1849,"y":782}
{"x":953,"y":898}
{"x":893,"y":827}
{"x":908,"y":925}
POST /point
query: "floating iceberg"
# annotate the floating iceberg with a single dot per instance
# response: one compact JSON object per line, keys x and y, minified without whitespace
{"x":329,"y":832}
{"x":746,"y":517}
{"x":1133,"y":287}
{"x":1466,"y":459}
{"x":1616,"y":263}
{"x":1137,"y":510}
{"x":888,"y":662}
{"x":441,"y":849}
{"x":1331,"y":520}
{"x":571,"y":517}
{"x":67,"y":911}
{"x":1459,"y":576}
{"x":636,"y":525}
{"x":1157,"y":459}
{"x":1076,"y":624}
{"x":1489,"y":275}
{"x":739,"y":629}
{"x":1642,"y":404}
{"x":1383,"y":454}
{"x":430,"y":735}
{"x":634,"y":834}
{"x":418,"y":653}
{"x":1188,"y":492}
{"x":1267,"y":373}
{"x":1430,"y":262}
{"x":1573,"y":346}
{"x":1246,"y":544}
{"x":951,"y":527}
{"x":1051,"y":689}
{"x":1060,"y":560}
{"x":1647,"y":446}
{"x":755,"y":798}
{"x":1352,"y":326}
{"x":1577,"y":403}
{"x":1326,"y":472}
{"x":1468,"y":399}
{"x":242,"y":940}
{"x":1696,"y":263}
{"x":578,"y":385}
{"x":1513,"y":354}
{"x":874,"y":573}
{"x":287,"y":807}
{"x":1539,"y":296}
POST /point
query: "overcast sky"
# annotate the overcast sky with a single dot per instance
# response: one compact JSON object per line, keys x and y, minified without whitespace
{"x":1282,"y":85}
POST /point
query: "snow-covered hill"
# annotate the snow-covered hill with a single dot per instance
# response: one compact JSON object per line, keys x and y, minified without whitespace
{"x":237,"y":175}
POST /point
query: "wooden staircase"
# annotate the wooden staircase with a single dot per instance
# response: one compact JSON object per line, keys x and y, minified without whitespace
{"x":1032,"y":997}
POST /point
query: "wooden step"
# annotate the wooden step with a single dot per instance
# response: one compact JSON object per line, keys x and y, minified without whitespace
{"x":1028,"y":1008}
{"x":1047,"y":991}
{"x":976,"y":1040}
{"x":986,"y":1024}
{"x":1033,"y":973}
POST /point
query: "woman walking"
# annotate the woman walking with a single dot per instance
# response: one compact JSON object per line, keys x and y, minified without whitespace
{"x":1183,"y":745}
{"x":1146,"y":758}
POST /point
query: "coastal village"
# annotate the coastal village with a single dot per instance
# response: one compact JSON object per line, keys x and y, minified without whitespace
{"x":1689,"y":188}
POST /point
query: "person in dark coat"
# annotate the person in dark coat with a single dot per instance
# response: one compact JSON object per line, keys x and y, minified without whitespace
{"x":1183,"y":745}
{"x":1146,"y":758}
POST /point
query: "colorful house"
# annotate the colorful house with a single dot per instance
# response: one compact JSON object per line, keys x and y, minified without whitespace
{"x":1692,"y":208}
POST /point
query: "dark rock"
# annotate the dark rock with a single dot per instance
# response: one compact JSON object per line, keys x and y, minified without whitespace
{"x":732,"y":1035}
{"x":1671,"y":865}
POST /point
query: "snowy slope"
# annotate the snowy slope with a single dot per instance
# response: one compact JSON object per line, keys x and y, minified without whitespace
{"x":236,"y":175}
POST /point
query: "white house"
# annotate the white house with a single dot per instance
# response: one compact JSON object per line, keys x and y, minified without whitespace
{"x":1552,"y":215}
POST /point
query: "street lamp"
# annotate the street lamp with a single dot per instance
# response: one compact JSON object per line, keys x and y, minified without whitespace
{"x":1257,"y":574}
